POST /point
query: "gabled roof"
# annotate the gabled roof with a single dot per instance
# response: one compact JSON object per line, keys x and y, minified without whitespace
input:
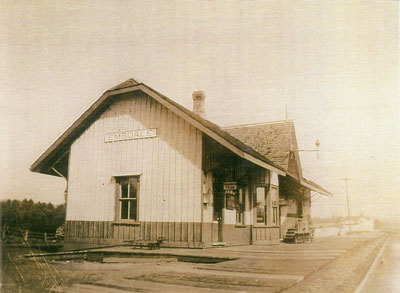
{"x":51,"y":156}
{"x":275,"y":141}
{"x":125,"y":84}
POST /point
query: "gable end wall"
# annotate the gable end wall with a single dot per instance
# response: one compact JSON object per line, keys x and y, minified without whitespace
{"x":169,"y":164}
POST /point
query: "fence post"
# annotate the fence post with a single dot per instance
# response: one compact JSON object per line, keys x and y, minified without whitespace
{"x":26,"y":235}
{"x":45,"y":237}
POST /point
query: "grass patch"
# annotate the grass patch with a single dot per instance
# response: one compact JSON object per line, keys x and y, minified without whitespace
{"x":19,"y":274}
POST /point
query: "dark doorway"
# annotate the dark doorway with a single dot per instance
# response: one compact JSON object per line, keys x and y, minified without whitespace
{"x":219,"y":202}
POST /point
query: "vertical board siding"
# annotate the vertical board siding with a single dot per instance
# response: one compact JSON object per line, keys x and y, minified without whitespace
{"x":260,"y":176}
{"x":265,"y":233}
{"x":170,"y":167}
{"x":235,"y":236}
{"x":108,"y":232}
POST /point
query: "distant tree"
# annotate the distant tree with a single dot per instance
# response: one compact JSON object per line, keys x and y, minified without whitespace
{"x":26,"y":208}
{"x":26,"y":214}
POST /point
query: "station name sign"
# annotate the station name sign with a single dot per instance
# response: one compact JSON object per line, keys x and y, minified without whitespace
{"x":130,"y":135}
{"x":230,"y":185}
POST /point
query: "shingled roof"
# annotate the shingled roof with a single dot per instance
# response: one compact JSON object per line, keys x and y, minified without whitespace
{"x":273,"y":140}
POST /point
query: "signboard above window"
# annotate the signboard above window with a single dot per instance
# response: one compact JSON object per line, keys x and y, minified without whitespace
{"x":230,"y":185}
{"x":130,"y":135}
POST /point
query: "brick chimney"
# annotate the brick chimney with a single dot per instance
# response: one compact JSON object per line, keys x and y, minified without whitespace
{"x":198,"y":103}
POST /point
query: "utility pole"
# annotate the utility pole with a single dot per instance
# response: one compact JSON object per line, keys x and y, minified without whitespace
{"x":348,"y":206}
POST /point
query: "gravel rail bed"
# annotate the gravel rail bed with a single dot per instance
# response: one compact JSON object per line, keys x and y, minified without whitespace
{"x":343,"y":274}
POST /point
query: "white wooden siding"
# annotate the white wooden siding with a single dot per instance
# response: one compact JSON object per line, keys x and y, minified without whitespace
{"x":170,"y":164}
{"x":274,"y":179}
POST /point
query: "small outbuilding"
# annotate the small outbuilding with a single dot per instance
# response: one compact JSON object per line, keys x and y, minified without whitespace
{"x":139,"y":166}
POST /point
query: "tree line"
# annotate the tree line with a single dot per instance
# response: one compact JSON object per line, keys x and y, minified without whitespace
{"x":337,"y":219}
{"x":34,"y":216}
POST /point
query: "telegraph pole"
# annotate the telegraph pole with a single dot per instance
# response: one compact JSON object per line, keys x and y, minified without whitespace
{"x":348,"y":206}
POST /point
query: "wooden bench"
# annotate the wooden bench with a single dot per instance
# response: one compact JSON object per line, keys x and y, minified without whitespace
{"x":150,"y":244}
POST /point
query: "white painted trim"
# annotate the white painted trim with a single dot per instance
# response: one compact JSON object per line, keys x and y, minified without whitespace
{"x":126,"y":174}
{"x":313,"y":188}
{"x":58,"y":173}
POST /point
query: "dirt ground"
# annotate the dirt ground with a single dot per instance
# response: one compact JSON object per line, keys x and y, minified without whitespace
{"x":307,"y":267}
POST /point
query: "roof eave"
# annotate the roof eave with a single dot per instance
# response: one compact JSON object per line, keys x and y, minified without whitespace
{"x":63,"y":141}
{"x":315,"y":188}
{"x":40,"y":163}
{"x":211,"y":133}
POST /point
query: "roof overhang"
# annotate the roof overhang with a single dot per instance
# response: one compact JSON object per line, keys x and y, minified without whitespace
{"x":45,"y":162}
{"x":314,"y":187}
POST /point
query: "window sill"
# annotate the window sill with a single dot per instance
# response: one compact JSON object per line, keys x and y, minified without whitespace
{"x":126,"y":222}
{"x":240,"y":226}
{"x":266,"y":226}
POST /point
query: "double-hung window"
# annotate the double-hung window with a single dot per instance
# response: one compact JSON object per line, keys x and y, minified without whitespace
{"x":275,"y":204}
{"x":240,"y":206}
{"x":267,"y":205}
{"x":261,"y":201}
{"x":128,"y":198}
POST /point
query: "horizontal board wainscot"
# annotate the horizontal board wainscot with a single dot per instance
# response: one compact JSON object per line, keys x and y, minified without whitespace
{"x":130,"y":134}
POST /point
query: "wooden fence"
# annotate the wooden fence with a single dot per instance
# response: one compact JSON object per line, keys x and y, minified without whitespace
{"x":10,"y":232}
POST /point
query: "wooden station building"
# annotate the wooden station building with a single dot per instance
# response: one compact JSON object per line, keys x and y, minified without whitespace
{"x":139,"y":166}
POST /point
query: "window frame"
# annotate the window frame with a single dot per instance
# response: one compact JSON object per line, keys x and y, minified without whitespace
{"x":120,"y":199}
{"x":240,"y":208}
{"x":271,"y":210}
{"x":255,"y":205}
{"x":274,"y":207}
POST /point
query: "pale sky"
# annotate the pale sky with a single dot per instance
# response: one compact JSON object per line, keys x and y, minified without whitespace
{"x":334,"y":63}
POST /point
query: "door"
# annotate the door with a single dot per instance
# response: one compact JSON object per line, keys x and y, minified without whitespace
{"x":218,"y":215}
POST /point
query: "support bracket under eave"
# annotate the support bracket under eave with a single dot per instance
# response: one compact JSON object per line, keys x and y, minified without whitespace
{"x":58,"y":173}
{"x":60,"y":167}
